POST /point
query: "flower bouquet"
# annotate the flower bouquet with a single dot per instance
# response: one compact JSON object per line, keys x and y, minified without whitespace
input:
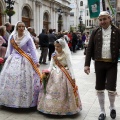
{"x":1,"y":63}
{"x":45,"y":77}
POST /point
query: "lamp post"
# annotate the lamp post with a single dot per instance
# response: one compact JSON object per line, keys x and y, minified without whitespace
{"x":103,"y":5}
{"x":9,"y":8}
{"x":80,"y":20}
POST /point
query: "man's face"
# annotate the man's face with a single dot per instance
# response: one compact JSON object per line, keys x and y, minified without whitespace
{"x":104,"y":21}
{"x":9,"y":27}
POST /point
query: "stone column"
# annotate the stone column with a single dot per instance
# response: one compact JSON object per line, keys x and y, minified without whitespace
{"x":38,"y":17}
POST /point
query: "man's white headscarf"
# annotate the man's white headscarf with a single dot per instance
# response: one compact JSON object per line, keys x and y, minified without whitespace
{"x":105,"y":13}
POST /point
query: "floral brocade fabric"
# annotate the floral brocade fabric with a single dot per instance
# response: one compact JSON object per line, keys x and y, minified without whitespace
{"x":59,"y":98}
{"x":19,"y":84}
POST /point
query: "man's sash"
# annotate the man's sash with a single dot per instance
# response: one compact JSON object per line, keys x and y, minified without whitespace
{"x":75,"y":87}
{"x":21,"y":52}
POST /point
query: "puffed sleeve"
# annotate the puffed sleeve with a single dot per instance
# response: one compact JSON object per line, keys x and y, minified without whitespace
{"x":32,"y":49}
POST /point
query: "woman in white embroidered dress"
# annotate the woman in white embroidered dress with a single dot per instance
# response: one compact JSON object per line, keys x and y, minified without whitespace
{"x":19,"y":83}
{"x":59,"y":98}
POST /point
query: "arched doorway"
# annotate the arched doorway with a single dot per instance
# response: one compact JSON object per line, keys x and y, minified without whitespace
{"x":0,"y":15}
{"x":26,"y":16}
{"x":60,"y":23}
{"x":46,"y":21}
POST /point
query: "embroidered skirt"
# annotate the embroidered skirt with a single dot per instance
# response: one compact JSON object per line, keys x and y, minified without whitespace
{"x":59,"y":98}
{"x":19,"y":84}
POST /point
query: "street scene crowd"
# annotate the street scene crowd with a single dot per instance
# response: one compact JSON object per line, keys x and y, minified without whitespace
{"x":54,"y":90}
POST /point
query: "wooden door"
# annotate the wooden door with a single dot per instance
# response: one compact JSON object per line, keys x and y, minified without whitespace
{"x":45,"y":21}
{"x":45,"y":25}
{"x":26,"y":21}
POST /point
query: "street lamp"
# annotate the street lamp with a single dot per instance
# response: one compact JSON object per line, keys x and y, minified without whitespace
{"x":80,"y":20}
{"x":9,"y":8}
{"x":59,"y":10}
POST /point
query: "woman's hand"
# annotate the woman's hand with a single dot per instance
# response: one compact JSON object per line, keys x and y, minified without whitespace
{"x":38,"y":65}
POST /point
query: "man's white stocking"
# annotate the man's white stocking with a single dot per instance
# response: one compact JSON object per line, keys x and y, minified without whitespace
{"x":101,"y":99}
{"x":112,"y":96}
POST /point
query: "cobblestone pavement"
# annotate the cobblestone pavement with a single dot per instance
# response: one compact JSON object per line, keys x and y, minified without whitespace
{"x":87,"y":92}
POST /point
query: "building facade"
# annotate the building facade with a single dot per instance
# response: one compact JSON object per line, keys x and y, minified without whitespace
{"x":39,"y":14}
{"x":80,"y":9}
{"x":118,"y":13}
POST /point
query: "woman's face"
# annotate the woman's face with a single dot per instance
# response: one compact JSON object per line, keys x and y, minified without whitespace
{"x":58,"y":47}
{"x":20,"y":27}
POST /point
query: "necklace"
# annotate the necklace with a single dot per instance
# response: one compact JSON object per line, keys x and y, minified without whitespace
{"x":19,"y":38}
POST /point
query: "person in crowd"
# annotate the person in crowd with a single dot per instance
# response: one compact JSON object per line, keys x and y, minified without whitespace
{"x":86,"y":42}
{"x":59,"y":35}
{"x":34,"y":36}
{"x":44,"y":44}
{"x":65,"y":35}
{"x":20,"y":76}
{"x":61,"y":96}
{"x":52,"y":39}
{"x":12,"y":29}
{"x":83,"y":39}
{"x":103,"y":47}
{"x":70,"y":40}
{"x":8,"y":31}
{"x":3,"y":43}
{"x":74,"y":41}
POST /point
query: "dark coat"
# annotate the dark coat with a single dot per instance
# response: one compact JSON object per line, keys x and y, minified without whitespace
{"x":94,"y":49}
{"x":74,"y":39}
{"x":43,"y":40}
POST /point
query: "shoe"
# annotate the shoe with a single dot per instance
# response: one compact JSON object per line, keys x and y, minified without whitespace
{"x":102,"y":116}
{"x":45,"y":63}
{"x":113,"y":114}
{"x":40,"y":62}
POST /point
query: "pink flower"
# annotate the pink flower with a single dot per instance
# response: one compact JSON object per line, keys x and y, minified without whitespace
{"x":1,"y":60}
{"x":45,"y":71}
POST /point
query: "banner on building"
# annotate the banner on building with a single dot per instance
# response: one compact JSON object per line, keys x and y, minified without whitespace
{"x":109,"y":8}
{"x":94,"y":8}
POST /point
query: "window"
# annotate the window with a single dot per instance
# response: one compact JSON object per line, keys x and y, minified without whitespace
{"x":45,"y":17}
{"x":89,"y":22}
{"x":71,"y":13}
{"x":26,"y":12}
{"x":81,"y":3}
{"x":81,"y":13}
{"x":87,"y":13}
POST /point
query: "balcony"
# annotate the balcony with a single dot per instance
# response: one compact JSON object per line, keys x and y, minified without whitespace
{"x":118,"y":10}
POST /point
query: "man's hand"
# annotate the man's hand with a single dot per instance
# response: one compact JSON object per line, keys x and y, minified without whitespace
{"x":87,"y":70}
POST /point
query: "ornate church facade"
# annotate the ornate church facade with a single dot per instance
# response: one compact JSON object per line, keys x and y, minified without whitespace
{"x":39,"y":14}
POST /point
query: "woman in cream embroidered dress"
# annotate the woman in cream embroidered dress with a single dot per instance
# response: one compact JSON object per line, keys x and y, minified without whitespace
{"x":19,"y":83}
{"x":59,"y":98}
